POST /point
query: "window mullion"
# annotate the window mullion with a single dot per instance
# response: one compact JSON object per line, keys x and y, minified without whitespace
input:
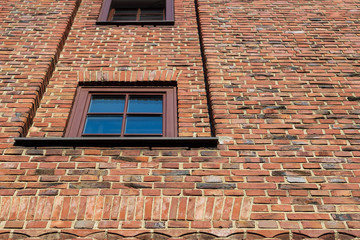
{"x":138,"y":14}
{"x":111,"y":14}
{"x":124,"y":116}
{"x":164,"y":115}
{"x":87,"y":106}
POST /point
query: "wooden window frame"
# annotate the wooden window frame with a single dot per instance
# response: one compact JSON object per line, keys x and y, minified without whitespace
{"x":105,"y":12}
{"x":83,"y":96}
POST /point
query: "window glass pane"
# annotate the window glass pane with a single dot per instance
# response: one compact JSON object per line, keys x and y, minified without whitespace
{"x":123,"y":18}
{"x":125,"y":14}
{"x":107,"y":104}
{"x":152,"y":14}
{"x":148,"y":18}
{"x":152,"y":11}
{"x":145,"y":104}
{"x":135,"y":4}
{"x":103,"y":124}
{"x":143,"y":125}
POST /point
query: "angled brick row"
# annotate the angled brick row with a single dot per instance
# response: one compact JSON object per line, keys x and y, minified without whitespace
{"x":125,"y":208}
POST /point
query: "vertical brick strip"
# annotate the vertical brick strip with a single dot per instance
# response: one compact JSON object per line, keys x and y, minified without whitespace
{"x":31,"y":208}
{"x":107,"y":208}
{"x":57,"y":208}
{"x":115,"y":208}
{"x":50,"y":71}
{"x":182,"y":209}
{"x":236,"y":209}
{"x":165,"y":208}
{"x":139,"y":208}
{"x":15,"y":205}
{"x":200,"y":205}
{"x":246,"y":209}
{"x":48,"y":208}
{"x":82,"y":208}
{"x":73,"y":208}
{"x":209,"y":208}
{"x":205,"y":70}
{"x":5,"y":207}
{"x":148,"y":208}
{"x":173,"y":208}
{"x":24,"y":204}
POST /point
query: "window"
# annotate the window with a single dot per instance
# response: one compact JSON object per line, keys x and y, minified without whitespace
{"x":123,"y":112}
{"x":136,"y":12}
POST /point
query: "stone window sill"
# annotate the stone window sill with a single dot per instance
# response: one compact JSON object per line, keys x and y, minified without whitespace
{"x":162,"y":22}
{"x":118,"y":142}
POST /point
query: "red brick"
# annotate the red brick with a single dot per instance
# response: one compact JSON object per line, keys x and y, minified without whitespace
{"x":267,"y":216}
{"x":200,"y":224}
{"x":108,"y":224}
{"x":308,"y":216}
{"x":14,"y":224}
{"x":36,"y":224}
{"x":131,"y":224}
{"x":311,"y":224}
{"x":60,"y":224}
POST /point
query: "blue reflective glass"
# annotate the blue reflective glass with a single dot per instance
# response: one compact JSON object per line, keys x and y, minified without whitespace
{"x":143,"y":125}
{"x":145,"y":104}
{"x":108,"y":104}
{"x":103,"y":125}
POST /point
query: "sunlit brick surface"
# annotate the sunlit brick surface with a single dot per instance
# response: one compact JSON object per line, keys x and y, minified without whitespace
{"x":284,"y":80}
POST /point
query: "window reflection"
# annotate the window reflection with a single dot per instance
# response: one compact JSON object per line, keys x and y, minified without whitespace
{"x":108,"y":104}
{"x":103,"y":125}
{"x":143,"y":125}
{"x":145,"y":104}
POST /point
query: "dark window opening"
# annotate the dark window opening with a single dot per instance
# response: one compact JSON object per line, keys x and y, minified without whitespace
{"x":140,"y":14}
{"x":136,"y":12}
{"x":123,"y":112}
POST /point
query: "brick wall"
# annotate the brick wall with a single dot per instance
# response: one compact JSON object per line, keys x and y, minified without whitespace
{"x":283,"y":97}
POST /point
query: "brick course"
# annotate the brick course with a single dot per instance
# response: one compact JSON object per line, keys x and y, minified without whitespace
{"x":277,"y":81}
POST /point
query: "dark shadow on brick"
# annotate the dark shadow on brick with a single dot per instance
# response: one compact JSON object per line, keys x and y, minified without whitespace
{"x":152,"y":236}
{"x":254,"y":236}
{"x":114,"y":236}
{"x":328,"y":236}
{"x":5,"y":235}
{"x":298,"y":236}
{"x":57,"y":236}
{"x":18,"y":236}
{"x":199,"y":236}
{"x":236,"y":236}
{"x":284,"y":236}
{"x":98,"y":236}
{"x":346,"y":236}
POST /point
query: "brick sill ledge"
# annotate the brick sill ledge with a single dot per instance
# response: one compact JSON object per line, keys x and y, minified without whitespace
{"x":150,"y":142}
{"x":160,"y":22}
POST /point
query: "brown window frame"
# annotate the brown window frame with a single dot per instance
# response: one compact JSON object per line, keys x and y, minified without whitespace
{"x":83,"y":96}
{"x":106,"y":12}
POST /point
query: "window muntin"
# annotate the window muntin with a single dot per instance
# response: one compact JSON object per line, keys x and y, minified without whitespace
{"x":140,"y":114}
{"x":123,"y":113}
{"x":139,"y":14}
{"x":136,"y":12}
